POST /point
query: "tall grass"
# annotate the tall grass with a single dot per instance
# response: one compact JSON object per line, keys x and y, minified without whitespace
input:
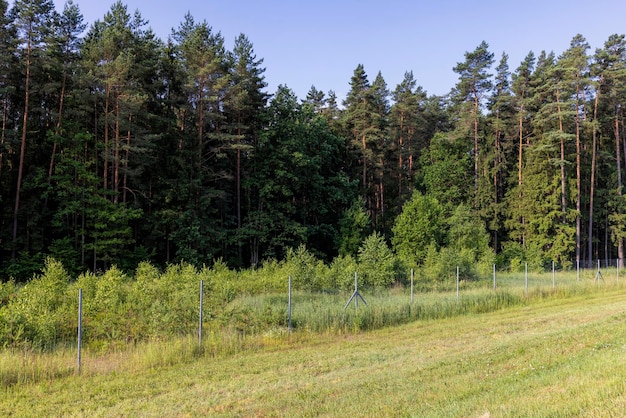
{"x":239,"y":321}
{"x":563,"y":357}
{"x":325,"y":312}
{"x":28,"y":366}
{"x":20,"y":367}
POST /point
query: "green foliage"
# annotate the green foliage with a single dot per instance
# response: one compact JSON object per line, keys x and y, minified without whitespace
{"x":446,"y":171}
{"x":466,"y":231}
{"x":7,"y":291}
{"x":35,"y":315}
{"x":419,"y":226}
{"x":377,"y":264}
{"x":439,"y":266}
{"x":451,"y":353}
{"x":353,"y":227}
{"x":513,"y":256}
{"x":63,"y":250}
{"x":467,"y":248}
{"x":26,"y":265}
{"x":171,"y":151}
{"x":161,"y":304}
{"x":302,"y":189}
{"x":154,"y":305}
{"x":306,"y":270}
{"x":342,"y":271}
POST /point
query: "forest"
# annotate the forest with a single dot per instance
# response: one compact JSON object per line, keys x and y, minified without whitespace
{"x":118,"y":147}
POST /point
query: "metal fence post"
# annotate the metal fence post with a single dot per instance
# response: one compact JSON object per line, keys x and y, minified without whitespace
{"x":80,"y":327}
{"x":200,"y":321}
{"x":289,"y":307}
{"x":411,"y":286}
{"x":526,"y":275}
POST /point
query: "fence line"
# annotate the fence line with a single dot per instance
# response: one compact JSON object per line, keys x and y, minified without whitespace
{"x":500,"y":283}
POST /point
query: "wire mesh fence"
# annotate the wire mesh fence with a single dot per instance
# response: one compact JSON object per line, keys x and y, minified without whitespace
{"x":114,"y":313}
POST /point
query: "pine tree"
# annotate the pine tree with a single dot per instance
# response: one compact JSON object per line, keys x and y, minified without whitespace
{"x":67,"y":46}
{"x":34,"y":21}
{"x":611,"y":69}
{"x":407,"y":122}
{"x":381,"y":147}
{"x":206,"y":141}
{"x":359,"y":121}
{"x":501,"y":116}
{"x":575,"y":65}
{"x":315,"y":98}
{"x":8,"y":42}
{"x":244,"y":107}
{"x":545,"y":233}
{"x":469,"y":94}
{"x":120,"y":59}
{"x":363,"y":124}
{"x":521,"y":88}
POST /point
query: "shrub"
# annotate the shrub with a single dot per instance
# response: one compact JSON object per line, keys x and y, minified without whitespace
{"x":342,"y":271}
{"x":303,"y":267}
{"x":377,"y":264}
{"x":33,"y":315}
{"x":419,"y":225}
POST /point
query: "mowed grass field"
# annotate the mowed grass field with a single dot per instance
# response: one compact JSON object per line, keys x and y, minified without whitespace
{"x":553,"y":357}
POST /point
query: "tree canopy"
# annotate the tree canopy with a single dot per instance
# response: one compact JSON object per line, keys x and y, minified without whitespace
{"x":117,"y":146}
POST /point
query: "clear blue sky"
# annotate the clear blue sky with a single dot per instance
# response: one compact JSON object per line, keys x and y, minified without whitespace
{"x":321,"y":42}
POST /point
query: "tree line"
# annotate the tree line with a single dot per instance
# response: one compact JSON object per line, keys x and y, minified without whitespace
{"x":117,"y":147}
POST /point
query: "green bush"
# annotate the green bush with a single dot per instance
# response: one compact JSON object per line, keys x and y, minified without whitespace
{"x":420,"y":224}
{"x":440,"y":266}
{"x":341,"y":272}
{"x":34,"y":316}
{"x":304,"y":268}
{"x":377,"y":263}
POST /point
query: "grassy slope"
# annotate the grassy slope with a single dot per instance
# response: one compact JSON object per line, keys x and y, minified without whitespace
{"x":563,"y":357}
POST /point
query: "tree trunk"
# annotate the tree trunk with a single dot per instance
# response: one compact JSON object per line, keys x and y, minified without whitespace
{"x":20,"y":169}
{"x":116,"y":152}
{"x":592,"y":181}
{"x":381,"y":190}
{"x":476,"y":151}
{"x":4,"y":129}
{"x":620,"y":241}
{"x":400,"y":161}
{"x":578,"y":176}
{"x":126,"y":160}
{"x":238,"y":188}
{"x":200,"y":125}
{"x":57,"y":130}
{"x":105,"y":173}
{"x":520,"y":164}
{"x":562,"y":140}
{"x":364,"y":144}
{"x":496,"y":185}
{"x":410,"y":154}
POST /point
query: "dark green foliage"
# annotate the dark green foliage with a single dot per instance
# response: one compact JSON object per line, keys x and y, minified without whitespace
{"x":353,"y":228}
{"x":302,"y":189}
{"x":446,"y":171}
{"x":118,"y":147}
{"x":417,"y":228}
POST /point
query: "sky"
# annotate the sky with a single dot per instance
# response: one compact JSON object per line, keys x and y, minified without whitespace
{"x":320,"y":43}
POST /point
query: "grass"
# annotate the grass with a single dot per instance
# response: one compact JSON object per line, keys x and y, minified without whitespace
{"x":328,"y":312}
{"x":552,"y":356}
